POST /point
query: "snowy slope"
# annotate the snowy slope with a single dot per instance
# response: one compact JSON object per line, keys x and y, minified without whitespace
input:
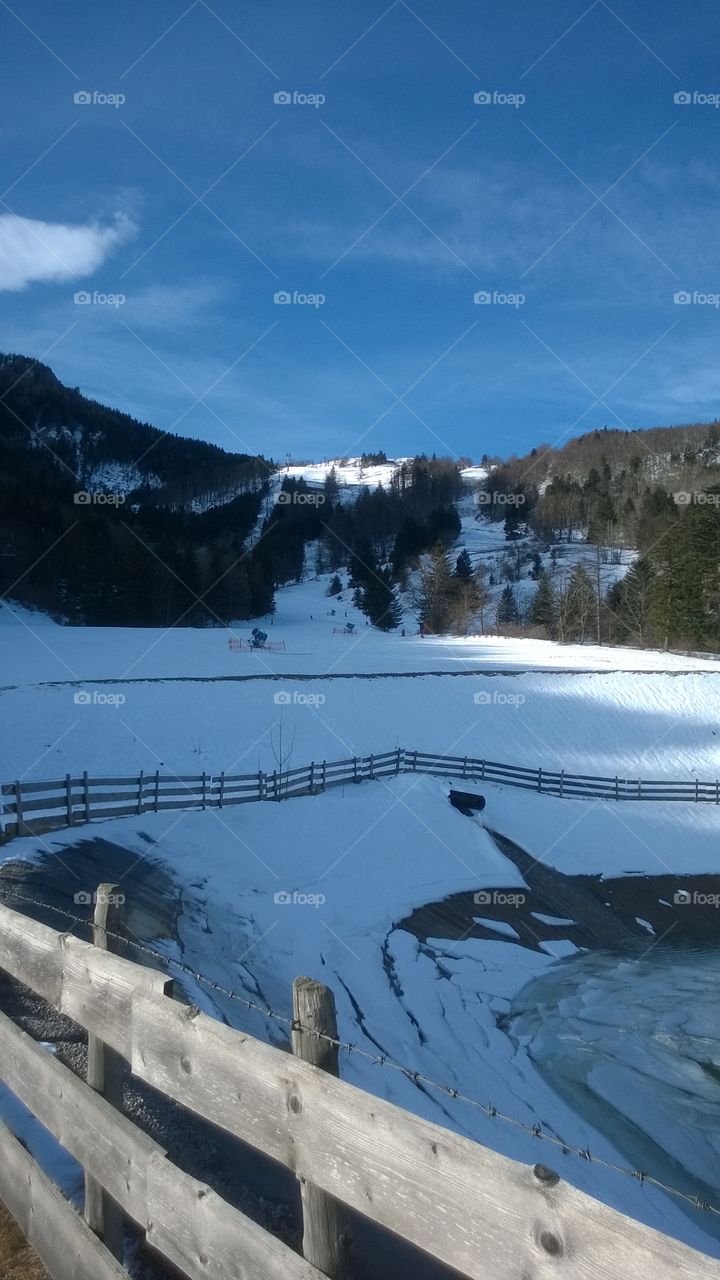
{"x":317,"y":885}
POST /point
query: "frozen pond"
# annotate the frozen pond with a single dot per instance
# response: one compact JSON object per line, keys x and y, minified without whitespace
{"x":633,"y":1044}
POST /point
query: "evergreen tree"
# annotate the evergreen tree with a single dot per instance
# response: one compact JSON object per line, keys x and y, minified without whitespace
{"x":379,"y":602}
{"x":578,"y":604}
{"x":507,"y":613}
{"x":463,"y":566}
{"x":544,"y":606}
{"x":434,"y":596}
{"x":335,"y":586}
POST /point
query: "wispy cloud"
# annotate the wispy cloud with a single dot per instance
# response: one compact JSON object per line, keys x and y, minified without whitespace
{"x":32,"y":250}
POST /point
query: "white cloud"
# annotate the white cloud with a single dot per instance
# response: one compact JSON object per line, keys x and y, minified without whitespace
{"x":32,"y":250}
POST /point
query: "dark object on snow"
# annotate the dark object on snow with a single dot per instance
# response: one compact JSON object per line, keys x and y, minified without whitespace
{"x":467,"y":802}
{"x":257,"y":638}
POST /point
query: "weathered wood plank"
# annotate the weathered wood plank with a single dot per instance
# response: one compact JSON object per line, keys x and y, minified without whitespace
{"x":477,"y":1211}
{"x":197,"y":1230}
{"x":91,"y":986}
{"x":104,"y":1075}
{"x":326,"y":1228}
{"x":57,"y":1233}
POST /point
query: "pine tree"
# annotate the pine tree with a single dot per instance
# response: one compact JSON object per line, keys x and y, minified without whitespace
{"x":578,"y":604}
{"x":507,"y":613}
{"x":544,"y":606}
{"x":463,"y":566}
{"x":335,"y":586}
{"x":434,"y":594}
{"x":378,"y":601}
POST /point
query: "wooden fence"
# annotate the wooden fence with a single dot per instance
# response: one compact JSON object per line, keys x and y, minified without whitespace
{"x":30,"y":808}
{"x":487,"y":1216}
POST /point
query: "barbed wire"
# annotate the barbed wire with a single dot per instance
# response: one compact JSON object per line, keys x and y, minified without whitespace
{"x":535,"y":1131}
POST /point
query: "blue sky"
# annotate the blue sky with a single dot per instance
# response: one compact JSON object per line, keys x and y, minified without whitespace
{"x":579,"y":212}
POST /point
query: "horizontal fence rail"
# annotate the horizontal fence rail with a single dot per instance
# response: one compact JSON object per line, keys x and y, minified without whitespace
{"x":30,"y":808}
{"x":469,"y":1207}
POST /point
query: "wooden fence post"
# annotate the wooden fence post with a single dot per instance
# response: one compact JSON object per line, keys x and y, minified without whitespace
{"x":157,"y":789}
{"x":19,"y":808}
{"x":86,"y":796}
{"x":104,"y":1074}
{"x":204,"y":789}
{"x":327,"y":1241}
{"x":68,"y":800}
{"x":141,"y":787}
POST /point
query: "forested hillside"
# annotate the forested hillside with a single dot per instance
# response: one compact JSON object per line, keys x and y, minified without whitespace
{"x":656,"y":491}
{"x":106,"y":520}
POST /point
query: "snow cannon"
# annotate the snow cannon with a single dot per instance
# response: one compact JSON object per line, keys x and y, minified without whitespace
{"x":468,"y":802}
{"x":258,"y":638}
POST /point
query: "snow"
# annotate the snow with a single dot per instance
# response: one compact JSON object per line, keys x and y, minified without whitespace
{"x":354,"y":862}
{"x":118,"y":700}
{"x":551,"y":920}
{"x":317,"y":885}
{"x":498,"y":926}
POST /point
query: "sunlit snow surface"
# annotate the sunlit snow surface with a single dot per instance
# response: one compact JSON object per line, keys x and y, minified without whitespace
{"x":380,"y":850}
